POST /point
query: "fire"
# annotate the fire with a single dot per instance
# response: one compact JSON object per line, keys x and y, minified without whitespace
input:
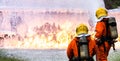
{"x":46,"y":36}
{"x":58,"y":40}
{"x":42,"y":38}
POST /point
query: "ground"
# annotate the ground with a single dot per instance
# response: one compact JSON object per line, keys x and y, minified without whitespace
{"x":52,"y":54}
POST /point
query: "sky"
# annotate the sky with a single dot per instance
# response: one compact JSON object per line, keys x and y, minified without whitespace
{"x":51,"y":4}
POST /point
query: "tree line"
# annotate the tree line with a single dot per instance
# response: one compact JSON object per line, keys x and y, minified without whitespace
{"x":112,"y":4}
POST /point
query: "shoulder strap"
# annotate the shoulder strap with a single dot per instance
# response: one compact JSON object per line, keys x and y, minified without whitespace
{"x":77,"y":42}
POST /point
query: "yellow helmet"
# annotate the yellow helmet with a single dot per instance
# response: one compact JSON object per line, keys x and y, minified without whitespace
{"x":82,"y":28}
{"x":101,"y":12}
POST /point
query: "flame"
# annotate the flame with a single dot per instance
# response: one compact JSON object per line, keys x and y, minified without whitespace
{"x":57,"y":38}
{"x":46,"y":36}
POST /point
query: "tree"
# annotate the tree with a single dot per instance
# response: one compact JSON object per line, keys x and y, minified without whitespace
{"x":111,"y":4}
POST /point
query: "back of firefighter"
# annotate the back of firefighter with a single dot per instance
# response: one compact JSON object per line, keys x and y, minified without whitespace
{"x":72,"y":50}
{"x":103,"y":45}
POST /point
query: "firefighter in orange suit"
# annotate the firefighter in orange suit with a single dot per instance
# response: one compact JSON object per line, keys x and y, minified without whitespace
{"x":72,"y":50}
{"x":103,"y":46}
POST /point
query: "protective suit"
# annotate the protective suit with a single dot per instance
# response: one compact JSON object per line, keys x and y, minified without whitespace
{"x":72,"y":50}
{"x":103,"y":46}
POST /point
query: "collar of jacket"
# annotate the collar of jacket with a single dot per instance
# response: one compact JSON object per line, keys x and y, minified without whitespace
{"x":83,"y":35}
{"x":103,"y":17}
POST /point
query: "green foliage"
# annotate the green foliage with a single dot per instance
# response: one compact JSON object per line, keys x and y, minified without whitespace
{"x":115,"y":3}
{"x":111,"y":4}
{"x":4,"y":57}
{"x":114,"y":56}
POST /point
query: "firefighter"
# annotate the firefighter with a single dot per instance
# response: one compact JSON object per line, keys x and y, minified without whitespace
{"x":73,"y":51}
{"x":103,"y":45}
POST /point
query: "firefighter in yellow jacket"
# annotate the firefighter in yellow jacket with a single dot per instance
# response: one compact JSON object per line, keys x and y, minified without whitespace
{"x":76,"y":52}
{"x":101,"y":34}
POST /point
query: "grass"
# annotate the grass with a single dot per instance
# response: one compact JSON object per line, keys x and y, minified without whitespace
{"x":9,"y":59}
{"x":4,"y":57}
{"x":114,"y":56}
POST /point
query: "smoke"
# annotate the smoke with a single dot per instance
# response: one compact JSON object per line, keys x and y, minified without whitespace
{"x":71,"y":13}
{"x":91,"y":6}
{"x":1,"y":18}
{"x":54,"y":4}
{"x":86,"y":5}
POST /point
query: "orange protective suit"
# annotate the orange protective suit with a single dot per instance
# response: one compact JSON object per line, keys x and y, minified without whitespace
{"x":72,"y":50}
{"x":103,"y":49}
